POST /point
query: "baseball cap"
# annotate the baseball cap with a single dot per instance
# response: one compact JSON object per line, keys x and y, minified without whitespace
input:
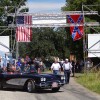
{"x":66,"y":59}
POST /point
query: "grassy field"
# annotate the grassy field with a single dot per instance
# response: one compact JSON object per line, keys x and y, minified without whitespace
{"x":90,"y":81}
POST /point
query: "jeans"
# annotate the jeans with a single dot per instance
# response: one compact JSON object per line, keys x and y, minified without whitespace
{"x":67,"y":76}
{"x":56,"y":72}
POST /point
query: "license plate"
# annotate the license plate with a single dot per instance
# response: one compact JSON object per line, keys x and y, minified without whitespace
{"x":54,"y":84}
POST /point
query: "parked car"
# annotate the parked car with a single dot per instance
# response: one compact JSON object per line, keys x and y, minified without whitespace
{"x":31,"y":81}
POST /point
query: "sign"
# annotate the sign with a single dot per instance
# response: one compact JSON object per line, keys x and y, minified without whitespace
{"x":4,"y":44}
{"x":93,"y":45}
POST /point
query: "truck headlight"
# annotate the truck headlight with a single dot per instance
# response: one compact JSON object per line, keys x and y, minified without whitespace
{"x":62,"y":77}
{"x":43,"y":79}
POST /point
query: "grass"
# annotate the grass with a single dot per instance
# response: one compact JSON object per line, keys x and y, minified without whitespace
{"x":90,"y":81}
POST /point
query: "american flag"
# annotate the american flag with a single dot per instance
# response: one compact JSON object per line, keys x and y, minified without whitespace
{"x":27,"y":20}
{"x":23,"y":33}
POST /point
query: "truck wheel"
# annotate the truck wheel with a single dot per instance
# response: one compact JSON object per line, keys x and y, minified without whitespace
{"x":55,"y":89}
{"x":30,"y":86}
{"x":1,"y":87}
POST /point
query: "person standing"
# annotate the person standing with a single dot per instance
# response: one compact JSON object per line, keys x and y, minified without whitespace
{"x":73,"y":67}
{"x":67,"y":67}
{"x":55,"y":67}
{"x":0,"y":65}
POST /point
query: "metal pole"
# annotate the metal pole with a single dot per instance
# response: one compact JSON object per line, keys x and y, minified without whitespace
{"x":17,"y":47}
{"x":11,"y":39}
{"x":84,"y":42}
{"x":17,"y":50}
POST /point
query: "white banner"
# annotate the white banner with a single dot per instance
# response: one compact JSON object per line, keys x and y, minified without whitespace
{"x":4,"y":44}
{"x":93,"y":45}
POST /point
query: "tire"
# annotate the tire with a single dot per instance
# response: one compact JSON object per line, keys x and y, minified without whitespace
{"x":1,"y":87}
{"x":55,"y":89}
{"x":30,"y":86}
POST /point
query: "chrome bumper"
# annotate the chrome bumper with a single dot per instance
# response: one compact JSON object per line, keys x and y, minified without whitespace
{"x":47,"y":85}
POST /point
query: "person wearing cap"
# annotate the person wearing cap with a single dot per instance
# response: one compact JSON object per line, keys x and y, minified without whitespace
{"x":67,"y":69}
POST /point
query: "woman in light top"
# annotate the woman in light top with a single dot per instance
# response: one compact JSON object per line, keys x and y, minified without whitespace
{"x":55,"y":67}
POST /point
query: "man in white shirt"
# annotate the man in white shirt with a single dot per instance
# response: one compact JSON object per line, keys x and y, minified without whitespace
{"x":67,"y":69}
{"x":55,"y":67}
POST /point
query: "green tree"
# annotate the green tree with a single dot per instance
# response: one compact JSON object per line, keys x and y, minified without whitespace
{"x":76,"y":5}
{"x":47,"y":42}
{"x":9,"y":6}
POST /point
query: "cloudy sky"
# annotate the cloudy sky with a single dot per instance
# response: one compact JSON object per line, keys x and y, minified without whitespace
{"x":45,"y":5}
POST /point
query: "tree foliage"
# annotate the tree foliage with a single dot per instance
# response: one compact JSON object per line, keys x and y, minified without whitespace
{"x":7,"y":7}
{"x":47,"y":42}
{"x":76,"y":5}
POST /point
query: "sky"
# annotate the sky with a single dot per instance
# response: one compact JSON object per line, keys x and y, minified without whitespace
{"x":41,"y":6}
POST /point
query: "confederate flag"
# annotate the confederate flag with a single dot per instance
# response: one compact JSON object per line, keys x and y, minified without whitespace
{"x":76,"y":31}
